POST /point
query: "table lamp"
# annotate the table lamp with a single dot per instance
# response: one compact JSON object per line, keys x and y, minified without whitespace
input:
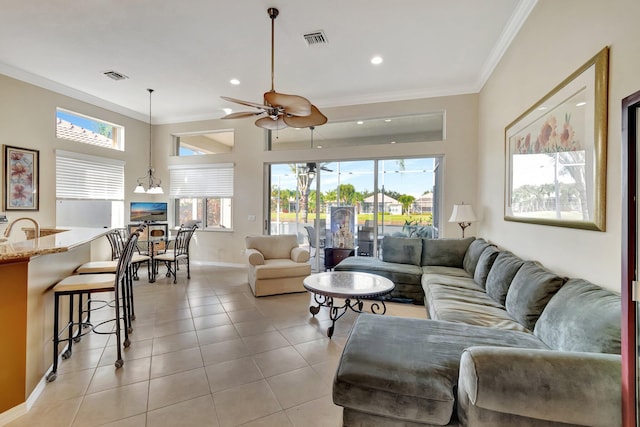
{"x":463,"y":215}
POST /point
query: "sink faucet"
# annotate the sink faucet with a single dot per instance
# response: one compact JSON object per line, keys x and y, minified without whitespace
{"x":10,"y":226}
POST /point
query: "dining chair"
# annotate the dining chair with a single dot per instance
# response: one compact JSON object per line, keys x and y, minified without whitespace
{"x":311,"y":235}
{"x":179,"y":253}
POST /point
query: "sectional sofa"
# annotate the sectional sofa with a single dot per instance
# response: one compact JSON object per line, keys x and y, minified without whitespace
{"x":507,"y":343}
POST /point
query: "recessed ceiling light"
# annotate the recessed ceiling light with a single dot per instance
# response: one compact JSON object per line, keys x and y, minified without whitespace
{"x":387,"y":120}
{"x":542,"y":108}
{"x":227,"y":110}
{"x":393,"y":142}
{"x":359,"y":122}
{"x":319,"y":146}
{"x":580,"y":104}
{"x":234,"y":82}
{"x":376,"y":60}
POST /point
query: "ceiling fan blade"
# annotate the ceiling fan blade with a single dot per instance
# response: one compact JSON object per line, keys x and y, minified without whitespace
{"x":247,"y":103}
{"x":270,"y":124}
{"x":242,"y":114}
{"x":292,"y":104}
{"x":316,"y":118}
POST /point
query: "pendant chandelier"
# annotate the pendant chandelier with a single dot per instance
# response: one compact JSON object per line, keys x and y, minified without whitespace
{"x":153,"y":184}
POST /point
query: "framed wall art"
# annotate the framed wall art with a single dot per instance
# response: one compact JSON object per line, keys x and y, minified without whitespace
{"x":21,"y":179}
{"x":556,"y":153}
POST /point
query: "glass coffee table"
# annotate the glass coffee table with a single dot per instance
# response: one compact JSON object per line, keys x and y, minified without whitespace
{"x":353,"y":286}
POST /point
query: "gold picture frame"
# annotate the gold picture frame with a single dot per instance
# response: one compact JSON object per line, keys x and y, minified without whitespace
{"x":556,"y":153}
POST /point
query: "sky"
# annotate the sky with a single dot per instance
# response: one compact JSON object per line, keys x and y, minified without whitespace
{"x":416,"y":177}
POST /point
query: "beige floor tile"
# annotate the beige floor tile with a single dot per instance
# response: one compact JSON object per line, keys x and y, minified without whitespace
{"x":224,"y":351}
{"x":175,"y":342}
{"x":179,"y":387}
{"x":304,"y":333}
{"x":169,"y":315}
{"x":135,"y":421}
{"x":299,"y":386}
{"x":198,"y":412}
{"x":137,"y":350}
{"x":232,"y":296}
{"x":80,"y":359}
{"x":239,"y":304}
{"x":258,"y":401}
{"x":265,"y":342}
{"x":203,"y":300}
{"x":278,"y":361}
{"x":173,"y":327}
{"x":217,"y":334}
{"x":211,"y":321}
{"x":245,"y":315}
{"x":111,"y":405}
{"x":107,"y":377}
{"x":253,"y":327}
{"x":205,"y":310}
{"x":58,"y":415}
{"x":316,"y":413}
{"x":176,"y":361}
{"x":319,"y":350}
{"x":279,"y":419}
{"x":327,"y":370}
{"x":232,"y":373}
{"x":66,"y":386}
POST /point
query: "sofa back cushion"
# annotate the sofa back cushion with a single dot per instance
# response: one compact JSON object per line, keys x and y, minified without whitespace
{"x":472,"y":255}
{"x":501,"y":274}
{"x":581,"y":317}
{"x":485,"y":262}
{"x":273,"y":247}
{"x":402,"y":250}
{"x":445,"y":252}
{"x":530,"y":291}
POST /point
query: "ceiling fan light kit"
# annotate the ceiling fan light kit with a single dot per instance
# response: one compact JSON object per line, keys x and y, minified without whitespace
{"x":281,"y":109}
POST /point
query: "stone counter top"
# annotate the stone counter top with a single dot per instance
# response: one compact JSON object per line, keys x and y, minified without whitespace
{"x":64,"y":239}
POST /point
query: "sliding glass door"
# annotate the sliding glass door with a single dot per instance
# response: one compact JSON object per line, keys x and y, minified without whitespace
{"x":354,"y":204}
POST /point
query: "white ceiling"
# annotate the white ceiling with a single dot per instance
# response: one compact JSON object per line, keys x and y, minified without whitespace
{"x":189,"y":50}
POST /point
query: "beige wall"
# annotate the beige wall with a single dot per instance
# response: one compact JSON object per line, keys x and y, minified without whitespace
{"x":28,"y":119}
{"x":558,"y":37}
{"x":459,"y":150}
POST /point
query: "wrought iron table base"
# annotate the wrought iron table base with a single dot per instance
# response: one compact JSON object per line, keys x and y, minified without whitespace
{"x":336,"y":312}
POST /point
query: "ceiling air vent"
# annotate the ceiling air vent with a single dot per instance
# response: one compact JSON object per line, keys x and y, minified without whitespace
{"x":115,"y":75}
{"x":316,"y":38}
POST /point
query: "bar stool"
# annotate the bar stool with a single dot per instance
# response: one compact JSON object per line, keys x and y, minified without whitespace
{"x":90,"y":284}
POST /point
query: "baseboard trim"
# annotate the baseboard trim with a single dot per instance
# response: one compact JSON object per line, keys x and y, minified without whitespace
{"x":12,"y":414}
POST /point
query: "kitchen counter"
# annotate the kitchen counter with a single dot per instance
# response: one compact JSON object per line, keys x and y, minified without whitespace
{"x":60,"y":239}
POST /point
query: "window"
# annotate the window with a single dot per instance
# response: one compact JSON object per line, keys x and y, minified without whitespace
{"x":89,"y":190}
{"x":203,"y":193}
{"x":85,"y":129}
{"x":214,"y":142}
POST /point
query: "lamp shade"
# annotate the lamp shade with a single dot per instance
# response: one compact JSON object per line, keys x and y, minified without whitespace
{"x":462,"y":213}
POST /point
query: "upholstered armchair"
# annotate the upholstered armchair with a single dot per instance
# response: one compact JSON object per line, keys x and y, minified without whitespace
{"x":276,"y":264}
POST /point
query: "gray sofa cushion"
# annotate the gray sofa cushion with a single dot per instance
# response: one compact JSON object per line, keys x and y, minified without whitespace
{"x":397,"y":273}
{"x":385,"y":370}
{"x":472,"y":255}
{"x":444,"y":252}
{"x":581,"y":317}
{"x":530,"y":291}
{"x":450,"y":271}
{"x":501,"y":274}
{"x":401,"y":250}
{"x":485,"y":262}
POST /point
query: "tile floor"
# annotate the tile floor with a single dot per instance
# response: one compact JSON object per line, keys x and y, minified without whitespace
{"x":205,"y":352}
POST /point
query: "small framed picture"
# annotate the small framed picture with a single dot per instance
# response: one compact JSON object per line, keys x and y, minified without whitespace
{"x":21,"y":179}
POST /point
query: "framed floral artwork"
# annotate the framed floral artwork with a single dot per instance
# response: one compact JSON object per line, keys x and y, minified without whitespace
{"x":21,"y":175}
{"x":556,"y":153}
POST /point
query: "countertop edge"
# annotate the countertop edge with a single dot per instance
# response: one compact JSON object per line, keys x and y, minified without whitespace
{"x":63,"y":241}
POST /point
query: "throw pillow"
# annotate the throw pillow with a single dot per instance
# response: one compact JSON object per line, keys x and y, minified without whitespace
{"x":485,"y":262}
{"x":472,"y":255}
{"x":530,"y":291}
{"x":401,"y":250}
{"x":501,"y":274}
{"x":444,"y":252}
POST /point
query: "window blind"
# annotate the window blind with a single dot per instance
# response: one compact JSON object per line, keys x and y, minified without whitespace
{"x":80,"y":176}
{"x":206,"y":180}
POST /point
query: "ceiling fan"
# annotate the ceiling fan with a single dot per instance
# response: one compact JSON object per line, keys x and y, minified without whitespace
{"x":281,"y":109}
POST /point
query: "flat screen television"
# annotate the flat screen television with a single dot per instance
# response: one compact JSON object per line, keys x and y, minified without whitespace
{"x":148,"y":211}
